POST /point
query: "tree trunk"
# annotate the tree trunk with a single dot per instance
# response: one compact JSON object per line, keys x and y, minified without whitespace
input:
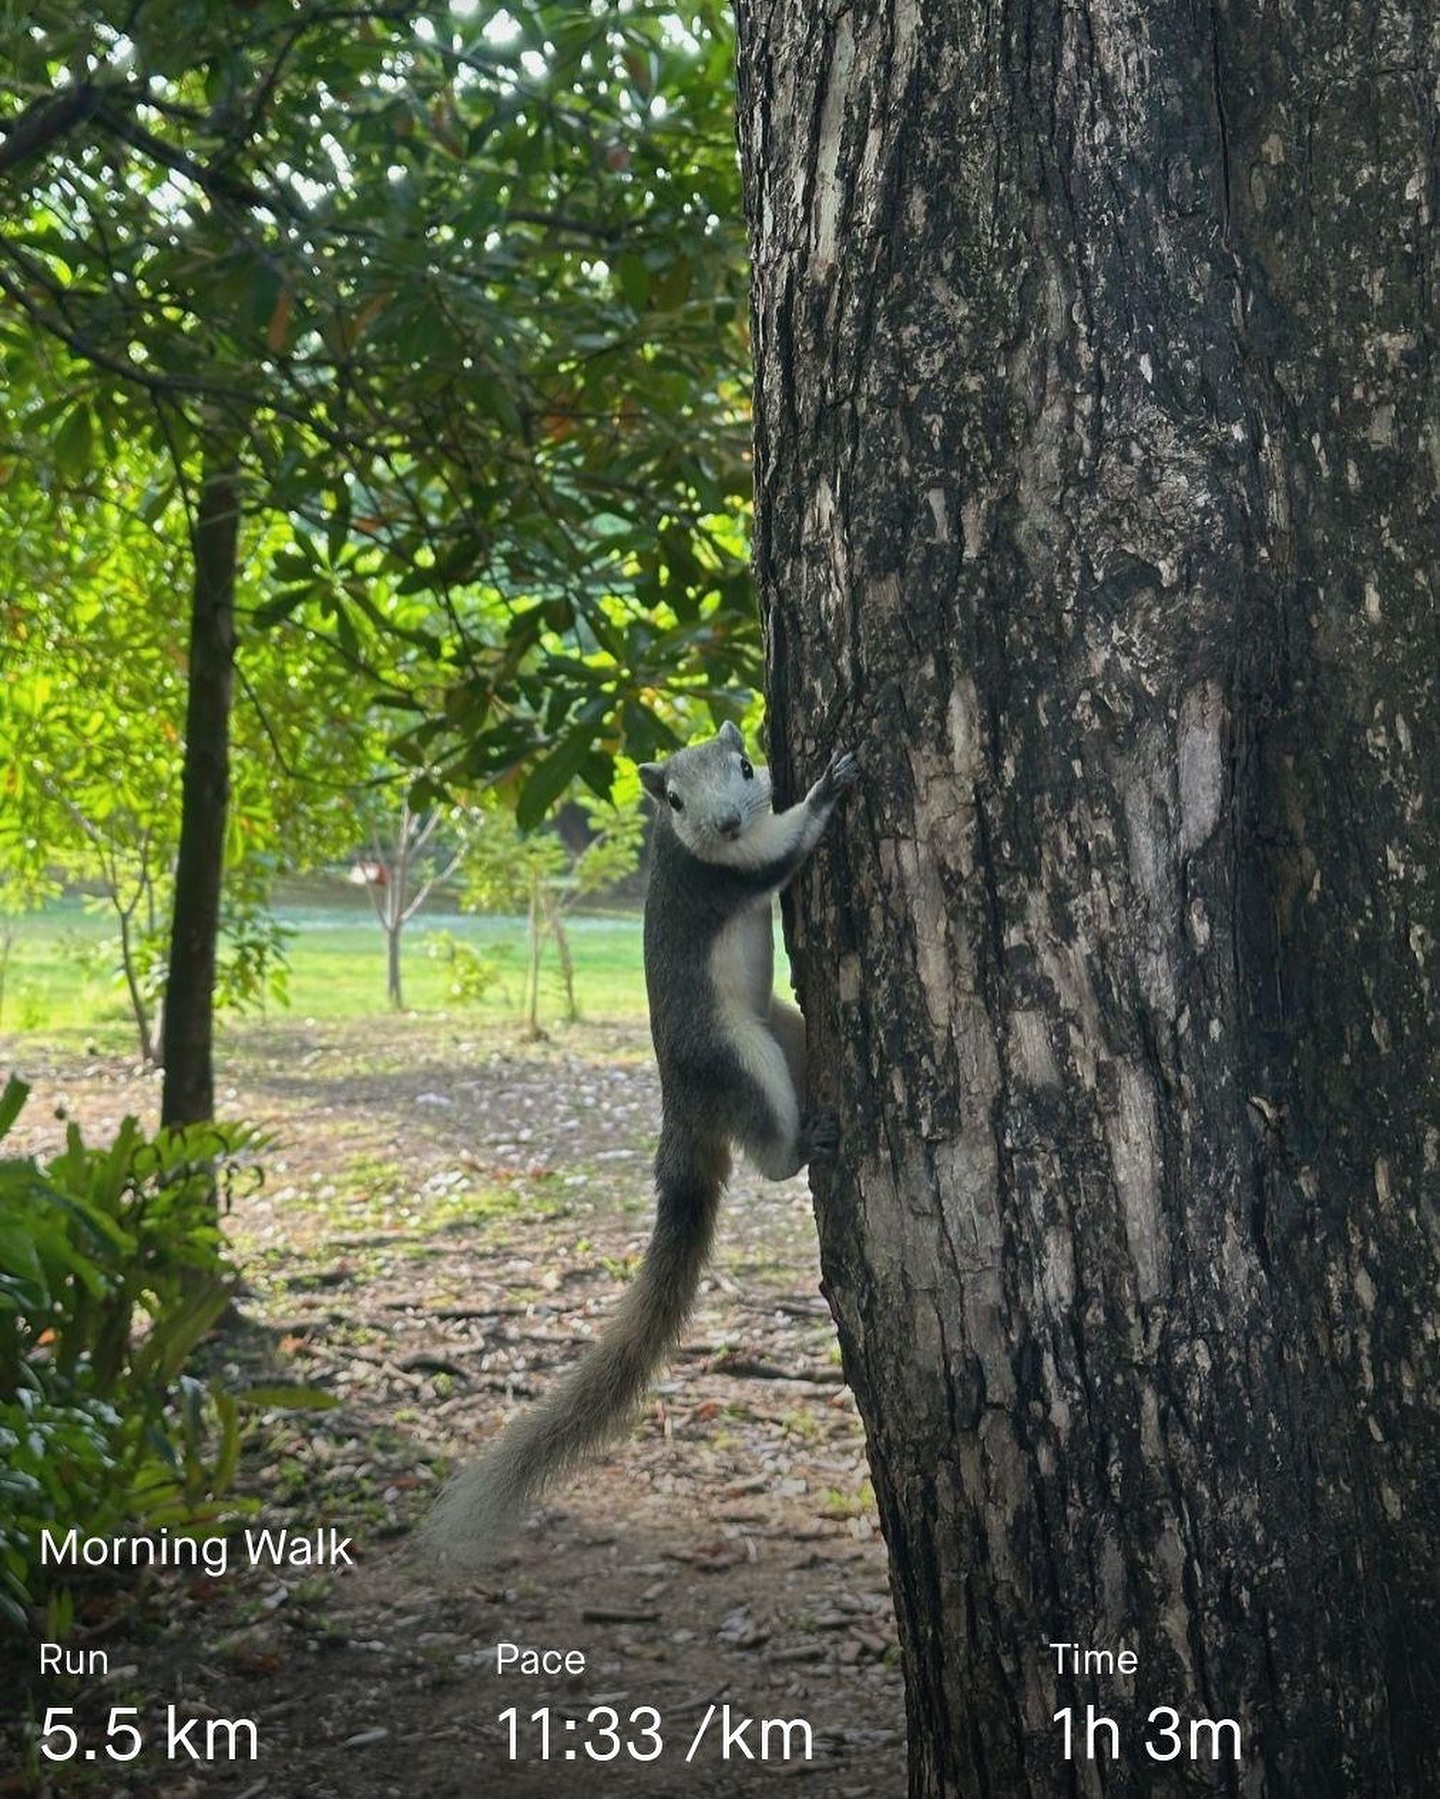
{"x":188,"y":1018}
{"x":1097,"y":464}
{"x":555,"y":924}
{"x":534,"y":939}
{"x":393,"y":929}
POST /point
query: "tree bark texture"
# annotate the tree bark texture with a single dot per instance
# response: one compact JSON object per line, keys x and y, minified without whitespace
{"x":188,"y":1021}
{"x":1097,"y":452}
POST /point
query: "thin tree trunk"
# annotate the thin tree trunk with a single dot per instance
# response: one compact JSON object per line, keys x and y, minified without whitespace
{"x":556,"y":921}
{"x":1096,"y":487}
{"x":396,"y":912}
{"x":393,"y":929}
{"x":132,"y":986}
{"x":187,"y":1045}
{"x":532,"y":975}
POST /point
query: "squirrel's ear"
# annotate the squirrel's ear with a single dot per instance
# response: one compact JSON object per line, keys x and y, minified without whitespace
{"x":652,"y":779}
{"x":730,"y":736}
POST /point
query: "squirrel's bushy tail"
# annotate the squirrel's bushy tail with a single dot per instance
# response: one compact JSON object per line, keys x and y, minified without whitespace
{"x":485,"y":1502}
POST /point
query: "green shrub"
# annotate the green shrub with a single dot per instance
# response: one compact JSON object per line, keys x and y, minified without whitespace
{"x":471,"y":974}
{"x":112,"y":1268}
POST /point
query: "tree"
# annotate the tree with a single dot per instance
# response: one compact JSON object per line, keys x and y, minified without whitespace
{"x":545,"y":876}
{"x":399,"y":876}
{"x":1096,"y":493}
{"x":609,"y":855}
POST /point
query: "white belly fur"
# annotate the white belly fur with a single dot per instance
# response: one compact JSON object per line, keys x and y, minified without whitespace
{"x":742,"y":964}
{"x":742,"y":970}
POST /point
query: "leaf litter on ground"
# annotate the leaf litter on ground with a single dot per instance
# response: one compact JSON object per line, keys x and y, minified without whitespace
{"x":431,"y":1266}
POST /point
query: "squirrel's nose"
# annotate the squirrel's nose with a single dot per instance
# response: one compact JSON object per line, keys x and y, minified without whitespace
{"x":730,"y":825}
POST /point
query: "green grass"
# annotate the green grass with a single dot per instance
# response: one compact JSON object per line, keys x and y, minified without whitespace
{"x":59,"y":976}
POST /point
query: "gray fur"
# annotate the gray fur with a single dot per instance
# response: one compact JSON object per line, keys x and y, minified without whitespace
{"x":731,"y":1058}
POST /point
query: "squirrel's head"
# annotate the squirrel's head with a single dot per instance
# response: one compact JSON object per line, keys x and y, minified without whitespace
{"x":710,"y":793}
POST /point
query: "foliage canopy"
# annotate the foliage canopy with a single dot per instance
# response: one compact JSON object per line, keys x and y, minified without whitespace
{"x":464,"y":283}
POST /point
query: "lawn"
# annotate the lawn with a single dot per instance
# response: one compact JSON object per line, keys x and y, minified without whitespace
{"x":60,"y":973}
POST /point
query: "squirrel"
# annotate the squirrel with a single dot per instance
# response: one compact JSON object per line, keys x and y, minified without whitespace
{"x":731,"y":1057}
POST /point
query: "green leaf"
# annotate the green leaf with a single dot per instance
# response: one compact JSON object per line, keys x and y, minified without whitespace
{"x":552,"y":776}
{"x":290,"y":1399}
{"x":227,"y":1460}
{"x":171,"y":1339}
{"x":72,"y":442}
{"x":634,"y":280}
{"x":12,"y":1102}
{"x":276,"y":610}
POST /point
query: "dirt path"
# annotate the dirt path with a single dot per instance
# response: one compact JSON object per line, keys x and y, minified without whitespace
{"x":444,"y":1218}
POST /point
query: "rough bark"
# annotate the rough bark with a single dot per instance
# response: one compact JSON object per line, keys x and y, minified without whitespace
{"x":187,"y":1043}
{"x":1097,"y":460}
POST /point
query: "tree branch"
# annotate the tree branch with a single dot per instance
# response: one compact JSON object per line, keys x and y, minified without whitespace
{"x":45,"y":121}
{"x":442,"y":874}
{"x":214,"y":182}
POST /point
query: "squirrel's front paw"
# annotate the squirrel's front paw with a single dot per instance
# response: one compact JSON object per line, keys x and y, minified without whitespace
{"x":822,"y":1137}
{"x":842,"y":773}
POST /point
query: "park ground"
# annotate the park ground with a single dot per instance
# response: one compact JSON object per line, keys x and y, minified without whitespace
{"x":446,"y":1213}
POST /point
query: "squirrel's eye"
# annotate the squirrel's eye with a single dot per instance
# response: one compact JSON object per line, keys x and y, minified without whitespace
{"x":676,"y":803}
{"x":746,"y":770}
